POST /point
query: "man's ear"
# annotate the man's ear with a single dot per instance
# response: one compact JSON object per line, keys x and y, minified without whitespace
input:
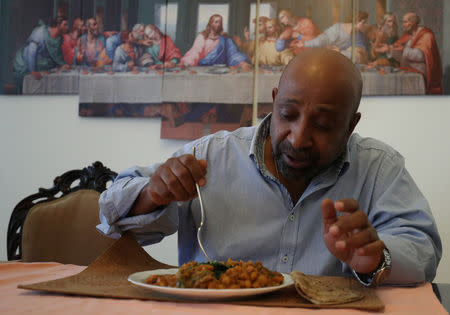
{"x":274,"y":93}
{"x":355,"y":119}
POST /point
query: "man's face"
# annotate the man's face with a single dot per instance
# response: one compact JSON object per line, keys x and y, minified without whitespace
{"x":63,"y":27}
{"x":408,"y":25}
{"x":131,"y":38}
{"x":139,"y":33}
{"x":261,"y":26}
{"x":311,"y":121}
{"x":390,"y":21}
{"x":390,"y":26}
{"x":154,"y":38}
{"x":270,"y":29}
{"x":284,"y":19}
{"x":216,"y":24}
{"x":361,"y":26}
{"x":93,"y":27}
{"x":80,"y":26}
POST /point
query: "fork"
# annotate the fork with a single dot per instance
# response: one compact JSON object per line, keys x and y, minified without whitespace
{"x":202,"y":220}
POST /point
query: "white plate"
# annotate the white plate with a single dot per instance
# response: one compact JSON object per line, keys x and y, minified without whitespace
{"x":138,"y":278}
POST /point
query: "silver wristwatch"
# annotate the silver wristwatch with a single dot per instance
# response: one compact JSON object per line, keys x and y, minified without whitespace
{"x":376,"y":277}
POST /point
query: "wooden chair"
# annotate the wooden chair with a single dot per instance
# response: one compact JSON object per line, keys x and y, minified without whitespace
{"x":58,"y":224}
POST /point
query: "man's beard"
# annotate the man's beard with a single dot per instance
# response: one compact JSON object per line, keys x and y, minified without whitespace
{"x":390,"y":31}
{"x":304,"y":174}
{"x":94,"y":33}
{"x":216,"y":30}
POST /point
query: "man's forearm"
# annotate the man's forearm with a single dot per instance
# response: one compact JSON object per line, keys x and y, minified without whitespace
{"x":143,"y":204}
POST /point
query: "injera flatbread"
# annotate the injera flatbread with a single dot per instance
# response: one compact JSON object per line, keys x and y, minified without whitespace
{"x":323,"y":292}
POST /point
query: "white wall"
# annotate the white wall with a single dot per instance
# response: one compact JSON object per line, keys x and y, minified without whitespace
{"x":42,"y":137}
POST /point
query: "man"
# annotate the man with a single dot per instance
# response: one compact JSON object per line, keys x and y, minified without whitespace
{"x":212,"y":47}
{"x":386,"y":35}
{"x":339,"y":37}
{"x":296,"y":29}
{"x":247,"y":45}
{"x":42,"y":51}
{"x":420,"y":52}
{"x":268,"y":54}
{"x":161,"y":48}
{"x":297,"y":192}
{"x":70,"y":40}
{"x":91,"y":46}
{"x":113,"y":41}
{"x":125,"y":55}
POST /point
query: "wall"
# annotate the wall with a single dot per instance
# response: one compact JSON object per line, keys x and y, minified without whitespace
{"x":42,"y":137}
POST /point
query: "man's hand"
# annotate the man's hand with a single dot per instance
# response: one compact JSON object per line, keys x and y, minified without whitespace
{"x":350,"y":237}
{"x":246,"y":34}
{"x":173,"y":181}
{"x":286,"y":34}
{"x":245,"y":66}
{"x":36,"y":74}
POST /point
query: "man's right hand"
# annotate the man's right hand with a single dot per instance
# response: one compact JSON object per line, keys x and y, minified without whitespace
{"x":173,"y":181}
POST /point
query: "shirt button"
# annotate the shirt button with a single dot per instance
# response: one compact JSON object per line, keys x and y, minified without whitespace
{"x":291,"y":217}
{"x":285,"y":259}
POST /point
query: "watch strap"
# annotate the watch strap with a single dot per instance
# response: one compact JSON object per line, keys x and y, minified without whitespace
{"x":374,"y":278}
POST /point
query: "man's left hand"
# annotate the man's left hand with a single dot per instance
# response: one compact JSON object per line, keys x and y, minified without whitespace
{"x":350,"y":237}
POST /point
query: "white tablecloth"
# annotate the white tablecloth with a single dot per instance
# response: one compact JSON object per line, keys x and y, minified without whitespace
{"x":197,"y":84}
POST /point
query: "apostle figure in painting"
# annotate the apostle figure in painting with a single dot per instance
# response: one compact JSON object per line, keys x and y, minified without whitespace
{"x":339,"y":37}
{"x":420,"y":52}
{"x":113,"y":41}
{"x":125,"y":54}
{"x":249,"y":44}
{"x":161,"y":48}
{"x":268,"y":54}
{"x":212,"y":47}
{"x":90,"y":46}
{"x":42,"y":51}
{"x":295,"y":29}
{"x":70,"y":40}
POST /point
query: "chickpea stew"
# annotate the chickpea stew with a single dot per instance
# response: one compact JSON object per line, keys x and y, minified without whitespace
{"x":217,"y":275}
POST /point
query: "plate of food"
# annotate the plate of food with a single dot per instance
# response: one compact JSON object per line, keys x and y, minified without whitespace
{"x":213,"y":280}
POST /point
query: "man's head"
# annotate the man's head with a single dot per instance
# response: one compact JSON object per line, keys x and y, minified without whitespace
{"x":215,"y":24}
{"x":286,"y":18}
{"x":314,"y":112}
{"x":272,"y":28}
{"x":390,"y":26}
{"x":410,"y":22}
{"x":139,"y":31}
{"x":78,"y":25}
{"x":361,"y":21}
{"x":92,"y":26}
{"x":153,"y":34}
{"x":60,"y":23}
{"x":261,"y":24}
{"x":127,"y":37}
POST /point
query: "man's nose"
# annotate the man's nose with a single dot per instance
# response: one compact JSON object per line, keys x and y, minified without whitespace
{"x":300,"y":136}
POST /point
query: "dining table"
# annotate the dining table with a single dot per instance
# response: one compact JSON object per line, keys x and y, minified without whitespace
{"x":427,"y":298}
{"x":207,"y":84}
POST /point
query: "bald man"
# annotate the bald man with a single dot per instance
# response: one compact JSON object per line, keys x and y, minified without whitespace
{"x":420,"y":52}
{"x":299,"y":191}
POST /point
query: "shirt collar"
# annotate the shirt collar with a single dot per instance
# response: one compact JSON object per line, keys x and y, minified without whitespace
{"x":339,"y":166}
{"x":258,"y":144}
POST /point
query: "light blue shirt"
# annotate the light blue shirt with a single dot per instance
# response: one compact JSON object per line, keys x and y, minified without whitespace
{"x":250,"y":215}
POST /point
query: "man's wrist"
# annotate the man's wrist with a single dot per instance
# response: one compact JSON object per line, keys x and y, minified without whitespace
{"x":376,"y":277}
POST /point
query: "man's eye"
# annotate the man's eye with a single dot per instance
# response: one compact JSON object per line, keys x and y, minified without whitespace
{"x":322,"y":126}
{"x":287,"y":116}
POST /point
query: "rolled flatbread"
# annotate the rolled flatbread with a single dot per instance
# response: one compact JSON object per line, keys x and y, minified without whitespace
{"x":320,"y":291}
